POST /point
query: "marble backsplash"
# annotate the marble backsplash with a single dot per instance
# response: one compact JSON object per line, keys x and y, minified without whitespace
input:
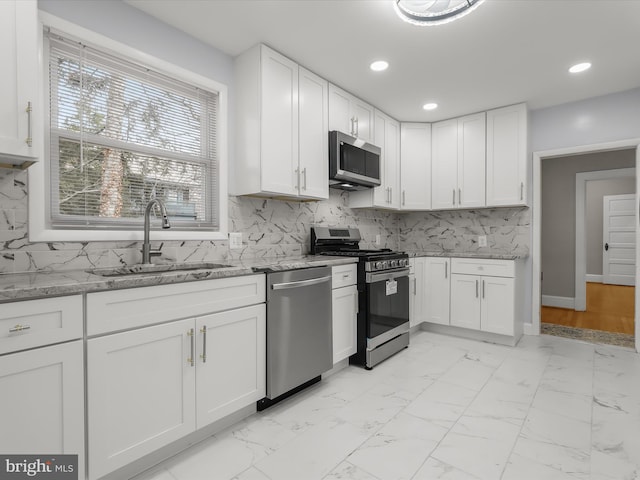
{"x":270,"y":228}
{"x":507,"y":231}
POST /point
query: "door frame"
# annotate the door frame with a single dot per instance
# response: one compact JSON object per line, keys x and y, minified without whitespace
{"x":580,"y":294}
{"x":536,"y":213}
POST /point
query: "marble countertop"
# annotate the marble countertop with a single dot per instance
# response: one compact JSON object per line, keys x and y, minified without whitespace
{"x":489,"y":255}
{"x":25,"y":286}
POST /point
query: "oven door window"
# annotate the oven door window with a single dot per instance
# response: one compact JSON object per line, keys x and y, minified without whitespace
{"x":388,"y":305}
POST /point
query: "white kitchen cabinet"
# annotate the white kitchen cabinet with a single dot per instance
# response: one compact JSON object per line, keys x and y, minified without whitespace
{"x":348,"y":114}
{"x":42,"y":404}
{"x":458,"y":162}
{"x":193,"y":354}
{"x":230,"y":362}
{"x":387,"y":195}
{"x":282,"y":128}
{"x":42,"y":377}
{"x":417,"y":291}
{"x":415,"y":166}
{"x":437,"y":290}
{"x":19,"y":93}
{"x":507,"y":156}
{"x":344,"y":297}
{"x":483,"y":296}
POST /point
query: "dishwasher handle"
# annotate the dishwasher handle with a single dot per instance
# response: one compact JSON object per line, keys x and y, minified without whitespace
{"x":301,"y":283}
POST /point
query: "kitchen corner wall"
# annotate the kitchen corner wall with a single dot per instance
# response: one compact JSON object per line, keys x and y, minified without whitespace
{"x":270,"y":228}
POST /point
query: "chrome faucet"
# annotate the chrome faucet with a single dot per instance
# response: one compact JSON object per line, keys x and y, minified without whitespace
{"x":147,"y":253}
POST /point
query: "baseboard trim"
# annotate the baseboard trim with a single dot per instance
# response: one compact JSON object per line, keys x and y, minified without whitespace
{"x":560,"y":302}
{"x":593,"y":278}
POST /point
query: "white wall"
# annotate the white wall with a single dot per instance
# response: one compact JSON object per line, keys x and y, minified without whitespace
{"x":595,"y":120}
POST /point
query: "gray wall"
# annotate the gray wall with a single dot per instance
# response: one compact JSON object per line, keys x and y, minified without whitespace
{"x":559,"y":214}
{"x":595,"y":191}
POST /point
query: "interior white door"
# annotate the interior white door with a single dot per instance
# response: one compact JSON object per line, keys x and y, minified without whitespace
{"x":619,"y":238}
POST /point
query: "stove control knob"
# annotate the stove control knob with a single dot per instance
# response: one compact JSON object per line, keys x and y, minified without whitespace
{"x":394,"y":263}
{"x":379,"y":265}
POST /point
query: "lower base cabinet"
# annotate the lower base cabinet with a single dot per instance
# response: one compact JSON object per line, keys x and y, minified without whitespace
{"x":154,"y":385}
{"x":45,"y":413}
{"x":345,"y":318}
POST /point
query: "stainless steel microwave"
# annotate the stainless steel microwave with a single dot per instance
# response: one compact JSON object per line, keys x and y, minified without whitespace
{"x":353,"y":163}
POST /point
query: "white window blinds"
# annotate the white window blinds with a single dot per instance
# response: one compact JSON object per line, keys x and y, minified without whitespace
{"x":120,"y":135}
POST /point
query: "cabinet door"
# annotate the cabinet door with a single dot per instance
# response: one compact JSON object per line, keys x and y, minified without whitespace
{"x":507,"y":156}
{"x":231,"y":362}
{"x":363,"y":115}
{"x":392,"y":161}
{"x":437,"y":290}
{"x":444,"y":164}
{"x":19,"y":82}
{"x":497,"y":311}
{"x":415,"y":166}
{"x":141,"y":393}
{"x":313,"y":105}
{"x":345,"y":322}
{"x":340,"y":115}
{"x":465,"y":301}
{"x":279,"y":138}
{"x":419,"y":290}
{"x":471,"y":161}
{"x":42,"y":405}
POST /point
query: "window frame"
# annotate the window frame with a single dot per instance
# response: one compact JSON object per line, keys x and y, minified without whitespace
{"x":39,"y":183}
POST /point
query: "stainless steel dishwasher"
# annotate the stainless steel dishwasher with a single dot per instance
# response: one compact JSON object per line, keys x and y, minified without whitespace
{"x":299,"y":332}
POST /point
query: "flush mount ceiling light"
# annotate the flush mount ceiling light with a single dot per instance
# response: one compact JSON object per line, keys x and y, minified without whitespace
{"x":379,"y":66}
{"x":430,"y":106}
{"x":434,"y":12}
{"x":580,"y":67}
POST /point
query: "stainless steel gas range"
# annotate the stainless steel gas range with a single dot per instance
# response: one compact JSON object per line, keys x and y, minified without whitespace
{"x":383,"y":293}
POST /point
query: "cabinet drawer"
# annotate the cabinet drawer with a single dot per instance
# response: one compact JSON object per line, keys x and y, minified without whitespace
{"x":34,"y":323}
{"x":138,"y":307}
{"x":483,"y":266}
{"x":344,"y":275}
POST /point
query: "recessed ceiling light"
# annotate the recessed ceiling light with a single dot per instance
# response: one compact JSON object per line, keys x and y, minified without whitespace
{"x":379,"y":66}
{"x":580,"y":67}
{"x":430,"y":106}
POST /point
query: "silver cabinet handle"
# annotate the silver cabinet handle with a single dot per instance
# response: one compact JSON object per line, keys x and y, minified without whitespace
{"x":352,"y":130}
{"x":521,"y":191}
{"x":191,"y":360}
{"x":415,"y":286}
{"x":19,"y":328}
{"x":459,"y":196}
{"x":454,"y":196}
{"x":203,"y":355}
{"x":404,"y":197}
{"x":346,"y":275}
{"x":476,"y":288}
{"x":446,"y":269}
{"x":482,"y":288}
{"x":304,"y":177}
{"x":29,"y":139}
{"x":297,"y":173}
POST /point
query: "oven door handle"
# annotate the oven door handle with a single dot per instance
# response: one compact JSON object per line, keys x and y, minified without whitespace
{"x":378,"y":277}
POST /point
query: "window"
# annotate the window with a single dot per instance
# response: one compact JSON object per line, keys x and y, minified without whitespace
{"x":121,"y":134}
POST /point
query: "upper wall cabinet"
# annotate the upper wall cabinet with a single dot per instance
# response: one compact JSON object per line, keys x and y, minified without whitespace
{"x":507,"y":156}
{"x":458,"y":162}
{"x":387,"y":195}
{"x":415,"y":166}
{"x":19,"y":82}
{"x":281,"y":128}
{"x":349,"y":114}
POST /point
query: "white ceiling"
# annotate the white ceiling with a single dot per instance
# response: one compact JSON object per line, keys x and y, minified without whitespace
{"x":507,"y":51}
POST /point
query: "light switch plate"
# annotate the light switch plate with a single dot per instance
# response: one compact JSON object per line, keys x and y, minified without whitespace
{"x":482,"y":240}
{"x":235,"y":240}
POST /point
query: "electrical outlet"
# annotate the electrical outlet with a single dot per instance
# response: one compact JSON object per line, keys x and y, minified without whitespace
{"x":378,"y":240}
{"x":235,"y":240}
{"x":482,"y":240}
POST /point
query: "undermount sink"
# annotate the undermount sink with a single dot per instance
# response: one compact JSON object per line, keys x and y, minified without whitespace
{"x":152,"y":268}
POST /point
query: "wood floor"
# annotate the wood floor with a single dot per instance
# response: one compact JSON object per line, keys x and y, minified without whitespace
{"x":609,"y":308}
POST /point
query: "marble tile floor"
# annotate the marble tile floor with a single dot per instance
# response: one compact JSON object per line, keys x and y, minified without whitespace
{"x":445,"y":408}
